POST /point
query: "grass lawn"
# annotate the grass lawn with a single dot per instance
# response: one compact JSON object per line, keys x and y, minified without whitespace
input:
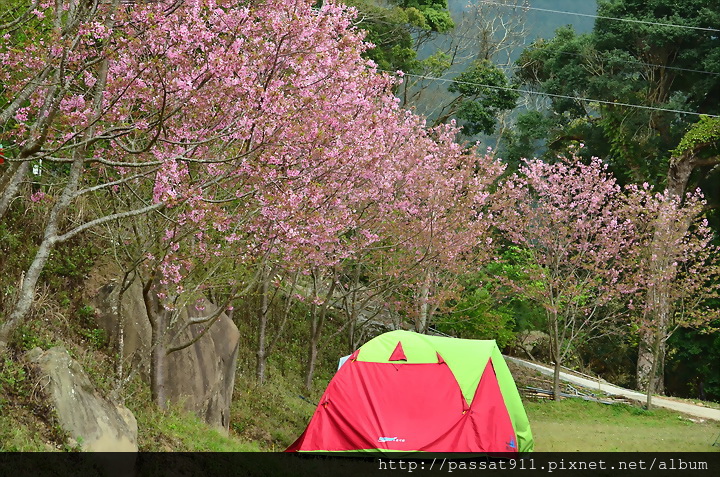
{"x":575,"y":425}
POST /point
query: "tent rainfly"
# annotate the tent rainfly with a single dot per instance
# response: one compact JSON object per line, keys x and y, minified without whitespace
{"x":408,"y":392}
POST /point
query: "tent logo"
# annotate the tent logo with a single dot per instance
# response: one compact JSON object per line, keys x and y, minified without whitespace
{"x":512,"y":444}
{"x":390,"y":439}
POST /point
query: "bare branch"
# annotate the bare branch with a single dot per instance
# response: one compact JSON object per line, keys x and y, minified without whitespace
{"x":108,"y":218}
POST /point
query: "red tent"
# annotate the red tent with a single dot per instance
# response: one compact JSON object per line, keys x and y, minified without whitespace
{"x":409,"y":392}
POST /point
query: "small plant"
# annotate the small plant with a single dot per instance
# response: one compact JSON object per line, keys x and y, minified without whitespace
{"x":73,"y":445}
{"x":96,"y":337}
{"x":30,"y":336}
{"x":64,"y":299}
{"x":87,"y":327}
{"x":12,"y":376}
{"x":86,"y":313}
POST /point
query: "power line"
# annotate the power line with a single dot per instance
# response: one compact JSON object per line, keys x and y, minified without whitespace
{"x":629,"y":20}
{"x":553,"y":95}
{"x":640,"y":63}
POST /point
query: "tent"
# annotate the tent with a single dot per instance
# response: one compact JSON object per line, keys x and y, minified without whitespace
{"x":406,"y":392}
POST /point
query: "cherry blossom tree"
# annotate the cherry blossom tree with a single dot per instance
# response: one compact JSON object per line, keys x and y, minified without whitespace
{"x":160,"y":93}
{"x":214,"y":135}
{"x":416,"y":207}
{"x":679,"y":270}
{"x":601,"y":256}
{"x":447,"y":233}
{"x":571,"y":219}
{"x":696,"y":151}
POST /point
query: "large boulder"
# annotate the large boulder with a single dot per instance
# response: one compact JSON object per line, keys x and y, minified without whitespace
{"x":201,"y":377}
{"x":95,"y":423}
{"x":127,"y":315}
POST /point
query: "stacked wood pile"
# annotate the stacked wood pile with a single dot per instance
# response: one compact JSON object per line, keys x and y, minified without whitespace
{"x":569,"y":391}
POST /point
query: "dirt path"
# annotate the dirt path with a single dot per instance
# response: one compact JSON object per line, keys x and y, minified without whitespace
{"x":600,"y":385}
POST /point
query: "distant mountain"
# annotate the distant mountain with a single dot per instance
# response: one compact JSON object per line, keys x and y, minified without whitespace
{"x":542,"y":24}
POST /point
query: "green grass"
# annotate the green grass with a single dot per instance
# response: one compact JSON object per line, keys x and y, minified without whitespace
{"x":575,"y":425}
{"x":27,"y":420}
{"x":174,"y":430}
{"x":274,"y":414}
{"x":17,"y":436}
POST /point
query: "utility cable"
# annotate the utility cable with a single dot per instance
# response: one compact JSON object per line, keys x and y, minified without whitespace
{"x":553,"y":95}
{"x":629,"y":20}
{"x":640,"y":63}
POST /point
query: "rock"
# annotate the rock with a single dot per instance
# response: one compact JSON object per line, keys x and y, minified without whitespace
{"x":202,"y":376}
{"x":133,"y":319}
{"x":96,"y":424}
{"x":533,"y":344}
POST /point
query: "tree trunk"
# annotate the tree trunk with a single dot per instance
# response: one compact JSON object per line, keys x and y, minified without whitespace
{"x":120,"y":368}
{"x":261,"y":353}
{"x":318,"y":313}
{"x":125,"y":283}
{"x":649,"y":375}
{"x":651,"y":354}
{"x":352,"y":342}
{"x":658,"y":344}
{"x":351,"y":309}
{"x":644,"y":368}
{"x":50,"y":238}
{"x":284,"y":318}
{"x":424,"y":306}
{"x":316,"y":317}
{"x":651,"y":351}
{"x":556,"y":355}
{"x":646,"y":373}
{"x":658,"y":298}
{"x":311,"y":361}
{"x":556,"y":381}
{"x":158,"y":317}
{"x":10,"y":183}
{"x":51,"y":235}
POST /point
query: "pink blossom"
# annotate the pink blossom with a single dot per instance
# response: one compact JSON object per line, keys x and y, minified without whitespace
{"x":38,"y":196}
